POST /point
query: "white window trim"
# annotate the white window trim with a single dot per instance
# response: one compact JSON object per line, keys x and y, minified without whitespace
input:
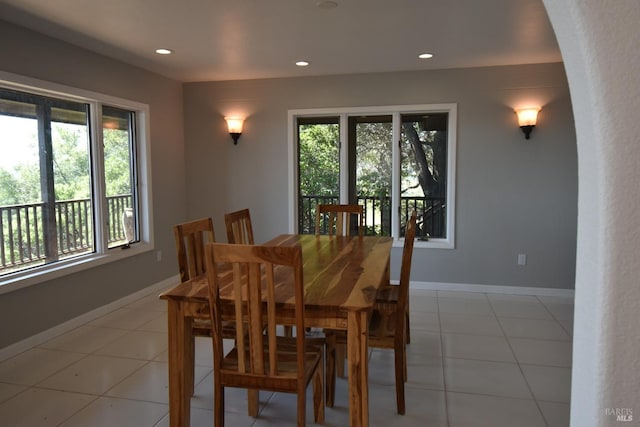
{"x":103,"y":255}
{"x":395,"y":111}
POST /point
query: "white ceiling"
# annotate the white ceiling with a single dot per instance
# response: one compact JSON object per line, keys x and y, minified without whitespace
{"x":247,"y":39}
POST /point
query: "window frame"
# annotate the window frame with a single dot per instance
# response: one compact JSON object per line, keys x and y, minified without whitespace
{"x":396,"y":111}
{"x":142,"y":161}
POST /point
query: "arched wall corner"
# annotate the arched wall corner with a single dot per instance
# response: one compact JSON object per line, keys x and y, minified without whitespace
{"x":598,"y":41}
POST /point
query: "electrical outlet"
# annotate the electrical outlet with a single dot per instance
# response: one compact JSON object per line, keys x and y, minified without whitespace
{"x":522,"y":259}
{"x":158,"y":256}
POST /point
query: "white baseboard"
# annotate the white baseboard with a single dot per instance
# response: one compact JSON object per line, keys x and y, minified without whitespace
{"x":492,"y":289}
{"x":67,"y":326}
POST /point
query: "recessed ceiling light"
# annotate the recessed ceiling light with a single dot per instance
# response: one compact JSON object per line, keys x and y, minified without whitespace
{"x":163,"y":51}
{"x":326,"y":4}
{"x":302,"y":63}
{"x":425,"y":55}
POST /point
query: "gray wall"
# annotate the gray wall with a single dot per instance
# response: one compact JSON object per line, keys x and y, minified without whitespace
{"x":34,"y":309}
{"x":513,"y":196}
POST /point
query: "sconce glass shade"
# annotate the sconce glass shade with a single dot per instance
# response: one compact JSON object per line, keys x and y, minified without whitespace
{"x":235,"y":128}
{"x":234,"y":125}
{"x":527,"y":118}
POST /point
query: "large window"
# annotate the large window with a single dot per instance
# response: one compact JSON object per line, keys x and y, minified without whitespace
{"x":349,"y":156}
{"x":70,"y":174}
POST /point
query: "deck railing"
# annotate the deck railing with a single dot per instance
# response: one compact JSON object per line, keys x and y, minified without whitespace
{"x":431,"y":213}
{"x":23,"y":240}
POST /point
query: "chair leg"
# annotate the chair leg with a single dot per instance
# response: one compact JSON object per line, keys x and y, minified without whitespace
{"x":408,"y":328}
{"x":340,"y":357}
{"x":190,"y":373}
{"x":252,"y":402}
{"x":400,"y":366}
{"x":318,"y":395}
{"x":218,"y":407}
{"x":330,"y":369}
{"x":302,"y":408}
{"x":404,"y":364}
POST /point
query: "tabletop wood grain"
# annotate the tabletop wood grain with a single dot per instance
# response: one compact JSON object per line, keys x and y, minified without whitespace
{"x":340,"y":273}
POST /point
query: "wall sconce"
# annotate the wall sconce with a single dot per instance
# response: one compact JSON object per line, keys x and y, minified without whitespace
{"x":235,"y":128}
{"x":527,"y":120}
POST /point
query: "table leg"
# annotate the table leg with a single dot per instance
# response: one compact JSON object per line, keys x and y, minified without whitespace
{"x":357,"y":353}
{"x":180,"y":337}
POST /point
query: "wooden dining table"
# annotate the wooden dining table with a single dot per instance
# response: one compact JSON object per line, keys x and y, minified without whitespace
{"x":342,"y":276}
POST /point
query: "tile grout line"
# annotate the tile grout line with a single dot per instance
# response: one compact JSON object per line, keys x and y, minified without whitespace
{"x":444,"y":381}
{"x":533,"y":396}
{"x":555,"y":318}
{"x":104,"y":393}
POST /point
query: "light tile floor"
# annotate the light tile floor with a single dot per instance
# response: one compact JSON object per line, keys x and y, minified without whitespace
{"x":474,"y":360}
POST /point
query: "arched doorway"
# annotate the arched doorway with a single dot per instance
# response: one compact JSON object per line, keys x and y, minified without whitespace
{"x":598,"y":41}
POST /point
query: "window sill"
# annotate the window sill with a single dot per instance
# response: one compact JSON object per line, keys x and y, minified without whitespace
{"x":26,"y":278}
{"x":426,"y":244}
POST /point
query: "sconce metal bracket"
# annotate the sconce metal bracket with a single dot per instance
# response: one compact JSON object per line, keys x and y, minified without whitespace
{"x":527,"y":130}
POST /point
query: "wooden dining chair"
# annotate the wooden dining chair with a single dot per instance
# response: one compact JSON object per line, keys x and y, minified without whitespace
{"x":239,"y":229}
{"x":336,"y":219}
{"x":191,"y":238}
{"x":389,"y":291}
{"x":387,"y":327}
{"x":264,"y":360}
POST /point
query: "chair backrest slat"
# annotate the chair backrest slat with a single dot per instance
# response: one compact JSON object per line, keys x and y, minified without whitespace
{"x":191,"y":238}
{"x":254,"y":313}
{"x":239,"y":228}
{"x":337,"y":219}
{"x":271,"y":321}
{"x":239,"y":313}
